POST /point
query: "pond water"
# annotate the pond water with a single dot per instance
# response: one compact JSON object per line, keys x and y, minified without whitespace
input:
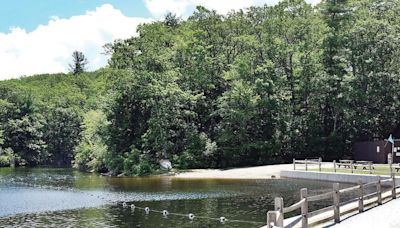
{"x":65,"y":197}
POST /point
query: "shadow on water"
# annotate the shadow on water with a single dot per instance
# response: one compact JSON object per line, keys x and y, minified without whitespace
{"x":44,"y":196}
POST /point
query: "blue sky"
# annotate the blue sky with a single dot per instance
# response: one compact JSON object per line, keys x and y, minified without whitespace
{"x":28,"y":14}
{"x":39,"y":36}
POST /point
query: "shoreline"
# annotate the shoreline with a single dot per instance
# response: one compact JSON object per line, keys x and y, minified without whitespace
{"x":257,"y":172}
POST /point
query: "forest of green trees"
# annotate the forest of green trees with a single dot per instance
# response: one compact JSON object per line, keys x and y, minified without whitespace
{"x":253,"y":87}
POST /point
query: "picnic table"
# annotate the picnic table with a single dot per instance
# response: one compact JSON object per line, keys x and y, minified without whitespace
{"x":364,"y":164}
{"x":345,"y":163}
{"x":397,"y":168}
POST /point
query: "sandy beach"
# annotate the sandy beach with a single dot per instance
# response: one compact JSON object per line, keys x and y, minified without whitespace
{"x":258,"y":172}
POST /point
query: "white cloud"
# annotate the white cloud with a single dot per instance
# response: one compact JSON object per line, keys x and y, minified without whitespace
{"x":160,"y":7}
{"x":48,"y":48}
{"x":184,"y":7}
{"x":224,"y":7}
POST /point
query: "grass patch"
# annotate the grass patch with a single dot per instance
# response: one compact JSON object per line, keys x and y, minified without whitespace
{"x":379,"y":170}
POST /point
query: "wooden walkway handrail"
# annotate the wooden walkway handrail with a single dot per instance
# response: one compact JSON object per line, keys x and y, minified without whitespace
{"x":320,"y":196}
{"x":371,"y":184}
{"x":363,"y":199}
{"x":276,"y":218}
{"x":349,"y":189}
{"x":370,"y":195}
{"x":271,"y":219}
{"x":294,"y":206}
{"x":387,"y":180}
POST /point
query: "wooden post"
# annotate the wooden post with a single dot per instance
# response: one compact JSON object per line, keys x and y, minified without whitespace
{"x":391,"y":160}
{"x":361,"y":197}
{"x":306,"y":165}
{"x":304,"y":208}
{"x":294,"y":164}
{"x":370,"y":167}
{"x":334,"y":166}
{"x":271,"y":219}
{"x":379,"y":190}
{"x":351,"y":166}
{"x":319,"y":163}
{"x":393,"y":187}
{"x":279,"y":207}
{"x":391,"y":167}
{"x":336,"y":200}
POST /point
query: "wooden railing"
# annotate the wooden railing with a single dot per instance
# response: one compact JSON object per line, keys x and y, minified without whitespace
{"x":307,"y":163}
{"x":349,"y":165}
{"x":276,"y":217}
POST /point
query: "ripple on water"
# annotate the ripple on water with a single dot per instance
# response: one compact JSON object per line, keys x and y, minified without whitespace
{"x":22,"y":200}
{"x":56,"y":197}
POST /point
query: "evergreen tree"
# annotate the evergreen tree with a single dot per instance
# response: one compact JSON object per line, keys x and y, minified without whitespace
{"x":171,"y":20}
{"x":79,"y":63}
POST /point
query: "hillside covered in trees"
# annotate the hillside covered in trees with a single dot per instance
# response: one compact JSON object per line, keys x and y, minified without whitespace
{"x":253,"y":87}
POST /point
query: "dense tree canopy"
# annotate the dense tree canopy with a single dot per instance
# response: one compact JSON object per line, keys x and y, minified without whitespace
{"x":252,"y":87}
{"x":40,"y":116}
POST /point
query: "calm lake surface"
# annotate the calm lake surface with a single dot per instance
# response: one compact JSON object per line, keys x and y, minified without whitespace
{"x":40,"y":197}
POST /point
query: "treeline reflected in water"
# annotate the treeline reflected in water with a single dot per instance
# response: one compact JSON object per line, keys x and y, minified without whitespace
{"x":64,"y":197}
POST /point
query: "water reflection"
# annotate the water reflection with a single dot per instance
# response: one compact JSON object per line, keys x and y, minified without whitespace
{"x":44,"y":197}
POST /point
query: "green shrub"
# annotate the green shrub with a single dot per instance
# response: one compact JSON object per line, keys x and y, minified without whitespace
{"x":4,"y":161}
{"x":137,"y":164}
{"x":91,"y":153}
{"x":144,"y":168}
{"x":6,"y":155}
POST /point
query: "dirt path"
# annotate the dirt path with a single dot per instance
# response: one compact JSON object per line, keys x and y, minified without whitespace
{"x":258,"y":172}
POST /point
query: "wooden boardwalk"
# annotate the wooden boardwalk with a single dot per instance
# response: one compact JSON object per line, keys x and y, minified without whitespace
{"x":385,"y":216}
{"x":335,"y":213}
{"x":326,"y":218}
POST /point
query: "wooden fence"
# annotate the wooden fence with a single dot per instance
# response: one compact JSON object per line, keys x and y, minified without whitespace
{"x":276,"y":217}
{"x":307,"y":163}
{"x":364,"y":166}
